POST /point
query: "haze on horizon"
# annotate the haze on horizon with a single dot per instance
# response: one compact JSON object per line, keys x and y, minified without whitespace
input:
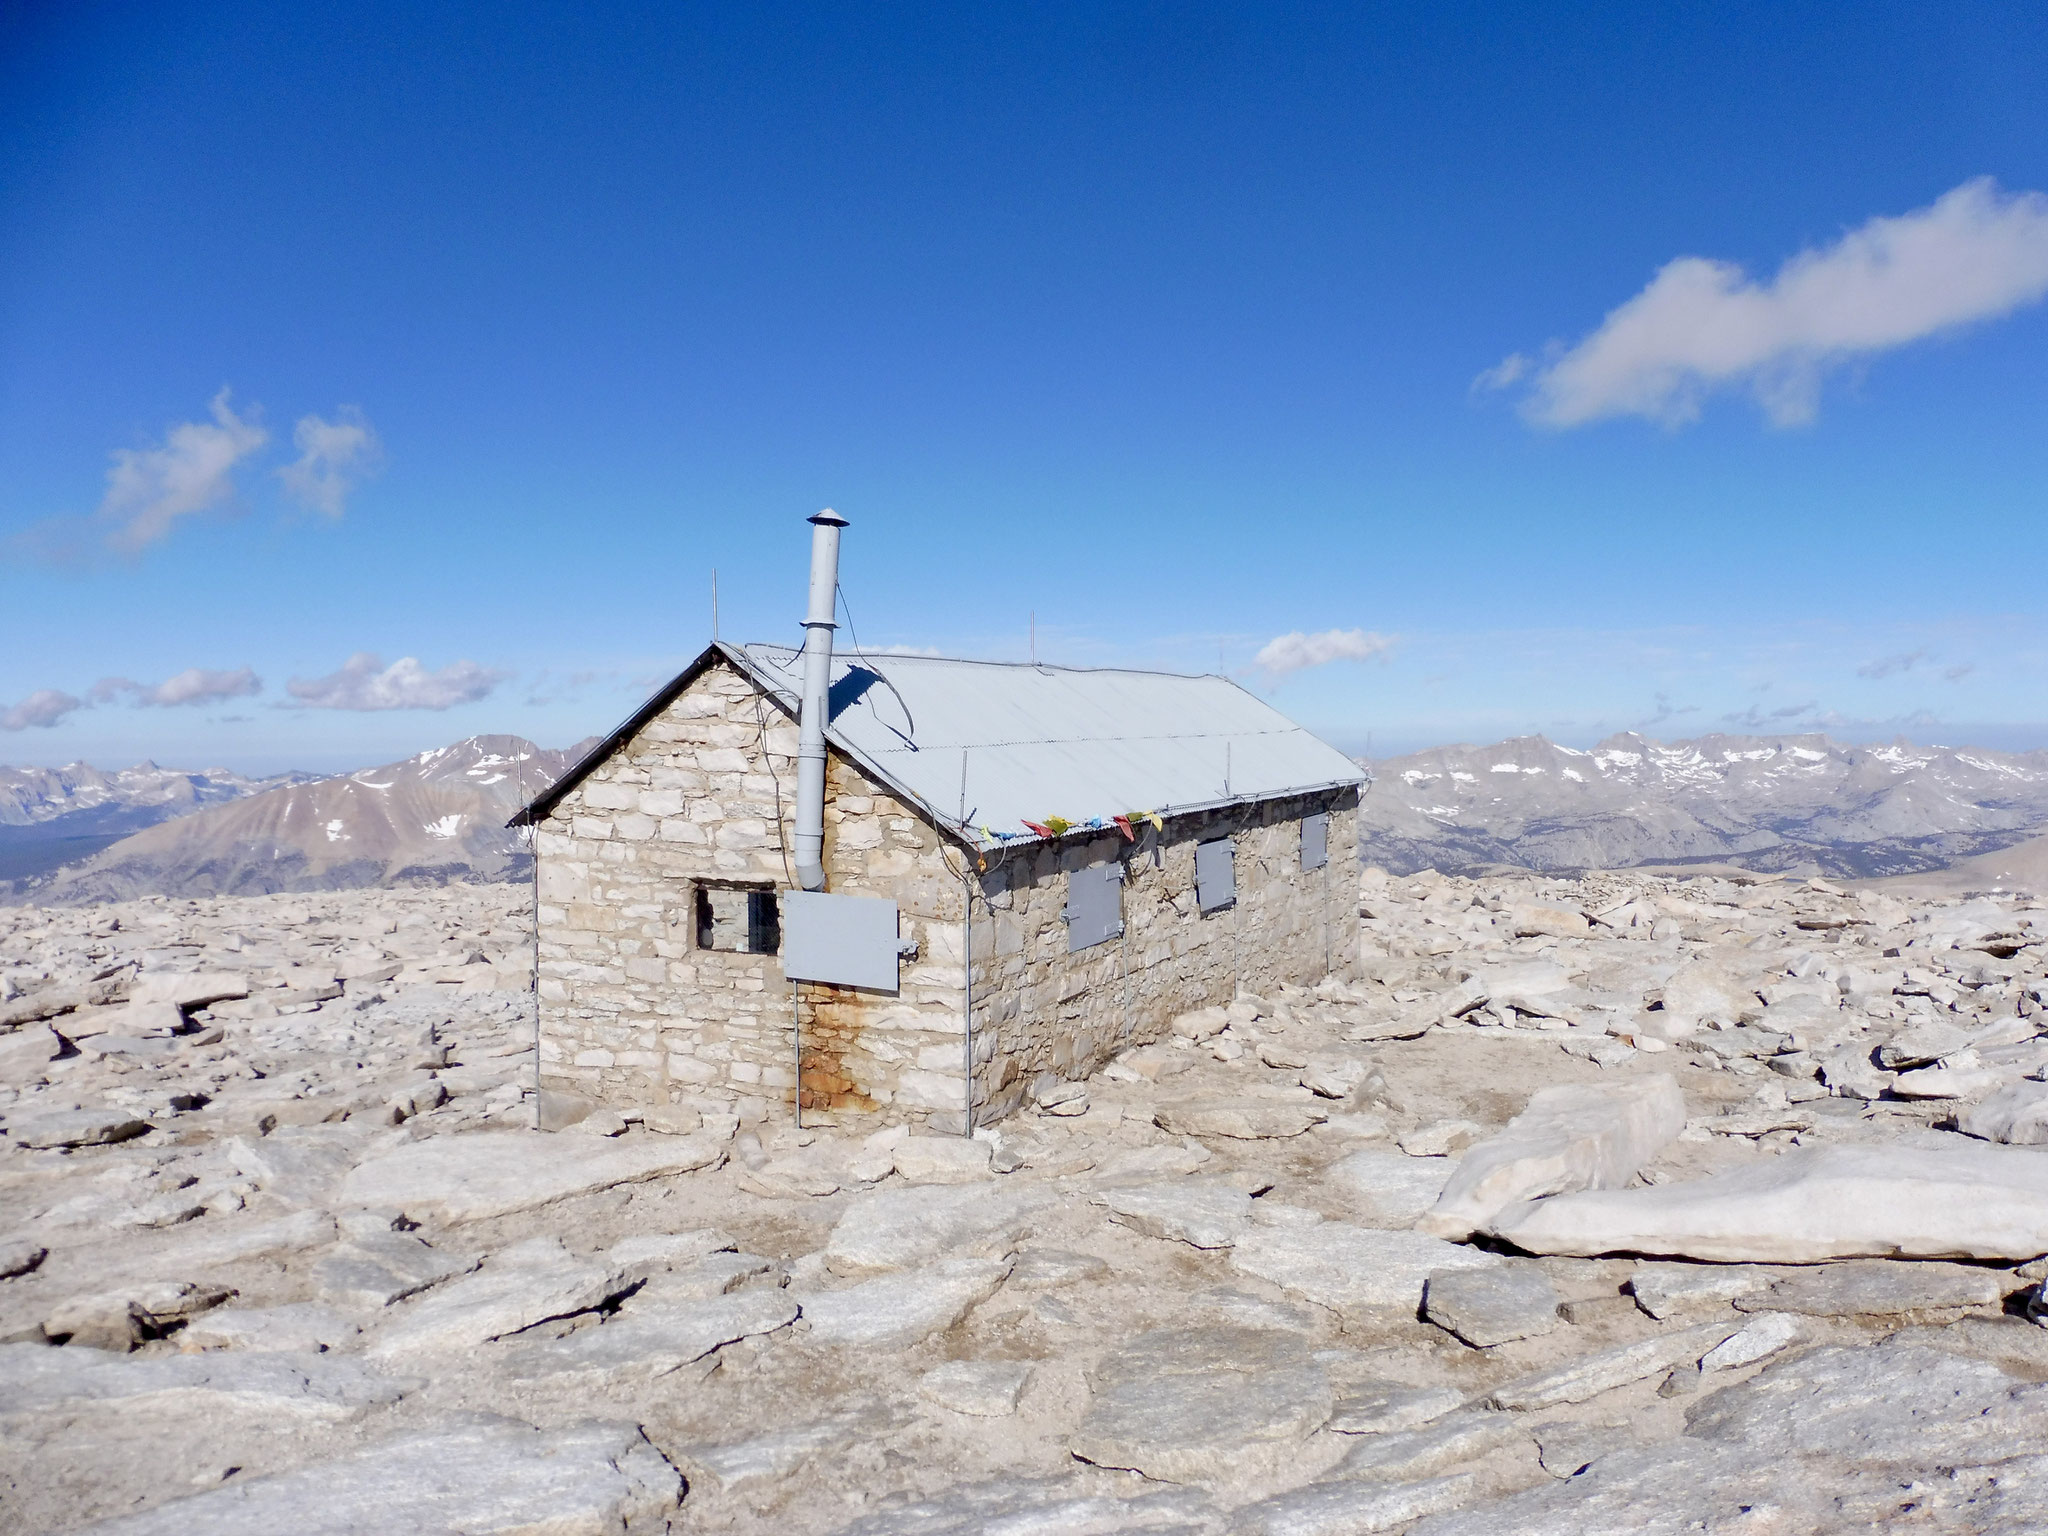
{"x":370,"y":380}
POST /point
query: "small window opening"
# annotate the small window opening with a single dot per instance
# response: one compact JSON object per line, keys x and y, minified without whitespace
{"x":738,"y":921}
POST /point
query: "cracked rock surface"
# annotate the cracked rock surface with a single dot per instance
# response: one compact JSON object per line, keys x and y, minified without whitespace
{"x":1746,"y":1239}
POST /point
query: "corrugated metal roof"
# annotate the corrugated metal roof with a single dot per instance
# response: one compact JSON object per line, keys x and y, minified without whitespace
{"x":1038,"y":741}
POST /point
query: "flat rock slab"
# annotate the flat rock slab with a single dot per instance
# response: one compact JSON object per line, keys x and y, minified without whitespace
{"x":1384,"y":1188}
{"x":1589,"y":1375}
{"x":1664,"y":1290}
{"x":1879,"y":1288}
{"x":503,"y":1299}
{"x":1485,"y":1307}
{"x":1758,"y":1339}
{"x":900,"y":1228}
{"x":1686,"y":1486}
{"x":984,"y":1389}
{"x":1239,"y":1119}
{"x":942,"y":1159}
{"x":771,"y":1457}
{"x":35,"y":1378}
{"x":1351,"y":1508}
{"x":1209,"y":1406}
{"x":1568,"y":1138}
{"x":895,"y":1310}
{"x":1809,"y":1205}
{"x":494,"y":1478}
{"x":76,"y":1128}
{"x":1203,"y":1213}
{"x":1387,"y":1407}
{"x":303,"y":1325}
{"x":1338,"y":1265}
{"x":491,"y":1173}
{"x":377,"y":1270}
{"x":1450,"y":1442}
{"x":1047,"y":1506}
{"x":1906,"y":1406}
{"x":654,"y":1341}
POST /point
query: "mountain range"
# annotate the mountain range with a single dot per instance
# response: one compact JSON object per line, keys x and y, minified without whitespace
{"x":55,"y":816}
{"x":1802,"y":804}
{"x":428,"y":820}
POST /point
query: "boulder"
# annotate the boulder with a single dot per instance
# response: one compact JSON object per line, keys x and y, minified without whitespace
{"x":1485,"y":1307}
{"x":1334,"y":1264}
{"x":896,"y":1310}
{"x":19,"y":1256}
{"x":491,"y":1477}
{"x":1228,"y":1407}
{"x":1707,"y":990}
{"x":25,"y":1052}
{"x":493,"y":1173}
{"x":1811,"y":1204}
{"x":2016,"y":1114}
{"x":1530,"y":920}
{"x":1568,"y":1138}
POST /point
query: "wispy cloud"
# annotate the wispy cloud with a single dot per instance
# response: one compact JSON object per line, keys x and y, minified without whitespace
{"x":1891,"y":666}
{"x":334,"y":457}
{"x":365,"y":683}
{"x":1701,"y":325}
{"x":1296,"y":651}
{"x":43,"y":708}
{"x":194,"y":685}
{"x":1956,"y":674}
{"x":192,"y":471}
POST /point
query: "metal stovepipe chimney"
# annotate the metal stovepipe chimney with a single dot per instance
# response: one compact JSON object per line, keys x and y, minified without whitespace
{"x":810,"y":753}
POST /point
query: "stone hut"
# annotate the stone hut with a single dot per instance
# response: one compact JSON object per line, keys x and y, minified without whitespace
{"x":1026,"y":870}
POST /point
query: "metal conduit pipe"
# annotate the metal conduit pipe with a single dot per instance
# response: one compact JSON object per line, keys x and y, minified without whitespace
{"x":810,"y":752}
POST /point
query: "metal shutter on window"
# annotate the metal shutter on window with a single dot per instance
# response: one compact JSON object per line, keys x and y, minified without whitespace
{"x":1095,"y":909}
{"x":1315,"y":840}
{"x":1215,"y":874}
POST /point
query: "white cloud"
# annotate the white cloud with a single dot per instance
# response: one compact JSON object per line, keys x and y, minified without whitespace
{"x":44,"y":708}
{"x":149,"y":489}
{"x":194,"y":685}
{"x":1974,"y":254}
{"x":333,"y":457}
{"x":1297,"y":651}
{"x":364,"y":682}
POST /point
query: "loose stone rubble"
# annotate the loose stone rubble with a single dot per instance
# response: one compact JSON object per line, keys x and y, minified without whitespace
{"x":1625,"y":1204}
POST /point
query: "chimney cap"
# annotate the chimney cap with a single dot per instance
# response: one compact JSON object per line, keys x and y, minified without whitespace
{"x":827,"y":517}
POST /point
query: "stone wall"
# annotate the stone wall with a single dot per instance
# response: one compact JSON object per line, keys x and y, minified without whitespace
{"x":1040,"y":1010}
{"x":634,"y":1014}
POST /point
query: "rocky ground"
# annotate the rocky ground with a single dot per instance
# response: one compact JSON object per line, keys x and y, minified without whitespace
{"x":281,"y":1253}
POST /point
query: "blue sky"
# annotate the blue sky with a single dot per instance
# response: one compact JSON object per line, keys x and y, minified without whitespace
{"x":1184,"y":329}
